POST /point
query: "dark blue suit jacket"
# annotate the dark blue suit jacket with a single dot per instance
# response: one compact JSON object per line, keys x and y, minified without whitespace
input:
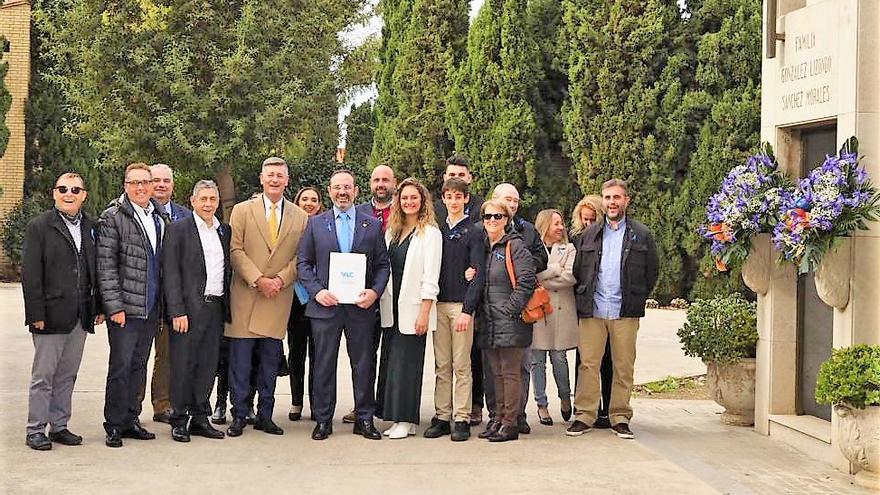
{"x":179,"y":212}
{"x":313,"y":265}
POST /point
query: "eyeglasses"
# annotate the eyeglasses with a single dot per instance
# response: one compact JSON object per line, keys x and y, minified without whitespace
{"x":493,"y":216}
{"x":74,"y":189}
{"x":345,"y":187}
{"x":137,"y":183}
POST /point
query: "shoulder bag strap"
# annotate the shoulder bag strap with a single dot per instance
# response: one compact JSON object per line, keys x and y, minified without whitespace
{"x":508,"y":261}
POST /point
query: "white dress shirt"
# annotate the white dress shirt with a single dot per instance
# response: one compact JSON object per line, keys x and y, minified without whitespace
{"x":145,"y":215}
{"x":213,"y":252}
{"x":75,"y":232}
{"x":279,"y":209}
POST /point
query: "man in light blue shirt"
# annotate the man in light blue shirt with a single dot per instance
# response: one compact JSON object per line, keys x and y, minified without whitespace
{"x":616,"y":268}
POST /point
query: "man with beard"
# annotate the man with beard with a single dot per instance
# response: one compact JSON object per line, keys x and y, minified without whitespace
{"x":382,"y":187}
{"x":343,"y":229}
{"x":616,"y":268}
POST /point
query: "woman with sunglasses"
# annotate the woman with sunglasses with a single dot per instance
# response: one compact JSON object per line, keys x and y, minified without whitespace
{"x":407,"y":306}
{"x":498,"y":302}
{"x":299,"y":328}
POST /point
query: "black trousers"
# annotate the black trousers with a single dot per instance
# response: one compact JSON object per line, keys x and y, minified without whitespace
{"x":606,"y":376}
{"x":127,"y":369}
{"x":301,"y":346}
{"x":193,"y":361}
{"x":476,"y":376}
{"x":240,"y":367}
{"x":359,"y":338}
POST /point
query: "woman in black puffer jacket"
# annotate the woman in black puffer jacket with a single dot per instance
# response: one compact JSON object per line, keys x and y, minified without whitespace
{"x":501,"y":332}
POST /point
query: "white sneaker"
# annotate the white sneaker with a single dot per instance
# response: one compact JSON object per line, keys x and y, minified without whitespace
{"x":402,"y":430}
{"x":389,"y":430}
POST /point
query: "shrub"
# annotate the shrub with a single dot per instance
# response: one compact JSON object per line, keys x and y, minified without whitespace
{"x":722,"y":329}
{"x":12,"y":230}
{"x":851,"y":376}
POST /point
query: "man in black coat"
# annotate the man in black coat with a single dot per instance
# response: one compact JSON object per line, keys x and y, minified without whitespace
{"x":160,"y":395}
{"x":458,"y":167}
{"x":59,"y":287}
{"x":196,"y":273}
{"x":129,"y":253}
{"x":616,"y":268}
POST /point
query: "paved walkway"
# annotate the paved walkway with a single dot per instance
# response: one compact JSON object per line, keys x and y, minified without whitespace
{"x":681,"y":447}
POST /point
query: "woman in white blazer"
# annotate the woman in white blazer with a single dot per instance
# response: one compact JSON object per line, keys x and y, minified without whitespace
{"x":407,"y":306}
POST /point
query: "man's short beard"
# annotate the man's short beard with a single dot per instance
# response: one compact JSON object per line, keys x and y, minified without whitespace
{"x":386,"y":198}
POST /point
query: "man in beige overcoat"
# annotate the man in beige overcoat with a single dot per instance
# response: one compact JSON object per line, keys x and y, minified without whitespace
{"x":266,"y":231}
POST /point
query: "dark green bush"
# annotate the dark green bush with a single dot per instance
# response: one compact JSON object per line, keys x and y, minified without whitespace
{"x":722,"y":329}
{"x":12,"y":229}
{"x":851,"y":376}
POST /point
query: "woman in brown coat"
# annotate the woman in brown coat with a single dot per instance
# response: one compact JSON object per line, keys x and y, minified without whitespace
{"x":558,"y":332}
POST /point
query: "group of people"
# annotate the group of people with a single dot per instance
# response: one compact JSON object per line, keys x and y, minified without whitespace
{"x":217,"y":301}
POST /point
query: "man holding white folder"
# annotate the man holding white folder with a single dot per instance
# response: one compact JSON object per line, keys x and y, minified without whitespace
{"x":343,"y":293}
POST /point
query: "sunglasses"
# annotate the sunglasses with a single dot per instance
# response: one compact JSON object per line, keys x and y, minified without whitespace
{"x":493,"y":216}
{"x":74,"y":189}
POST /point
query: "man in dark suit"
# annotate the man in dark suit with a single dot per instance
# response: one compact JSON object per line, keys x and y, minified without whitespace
{"x":60,"y":290}
{"x":197,"y":273}
{"x":341,"y":229}
{"x":163,"y":190}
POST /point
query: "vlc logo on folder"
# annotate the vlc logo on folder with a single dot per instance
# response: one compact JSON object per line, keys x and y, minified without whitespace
{"x":348,"y":273}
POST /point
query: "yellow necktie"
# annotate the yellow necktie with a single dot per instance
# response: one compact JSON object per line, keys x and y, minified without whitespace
{"x":273,"y":226}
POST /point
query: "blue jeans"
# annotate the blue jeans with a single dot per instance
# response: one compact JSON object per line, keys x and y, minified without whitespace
{"x":559,"y":361}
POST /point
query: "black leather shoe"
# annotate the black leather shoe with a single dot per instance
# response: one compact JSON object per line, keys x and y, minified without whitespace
{"x":602,"y":422}
{"x":492,"y":428}
{"x":65,"y":437}
{"x":237,"y":427}
{"x":366,"y":429}
{"x":114,"y":438}
{"x":268,"y":426}
{"x":162,"y":417}
{"x":251,"y":418}
{"x":294,"y":416}
{"x":137,"y":432}
{"x":505,"y":434}
{"x":179,"y":434}
{"x":219,"y":416}
{"x":461,"y":431}
{"x":438,"y":428}
{"x":205,"y":430}
{"x":38,"y":441}
{"x":322,"y":431}
{"x":523,"y":426}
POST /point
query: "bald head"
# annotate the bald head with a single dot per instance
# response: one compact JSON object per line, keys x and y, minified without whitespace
{"x":382,"y":184}
{"x":507,"y":193}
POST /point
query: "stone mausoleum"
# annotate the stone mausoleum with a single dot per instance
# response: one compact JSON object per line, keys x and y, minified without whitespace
{"x":821,"y":85}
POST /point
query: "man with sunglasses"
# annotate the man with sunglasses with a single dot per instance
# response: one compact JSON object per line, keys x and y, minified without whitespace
{"x":60,"y":300}
{"x":163,"y":190}
{"x":129,"y":252}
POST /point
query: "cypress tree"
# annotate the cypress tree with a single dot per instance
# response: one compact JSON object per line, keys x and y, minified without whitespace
{"x":625,"y":117}
{"x":490,"y":109}
{"x":727,"y":36}
{"x":360,"y":125}
{"x":422,"y":41}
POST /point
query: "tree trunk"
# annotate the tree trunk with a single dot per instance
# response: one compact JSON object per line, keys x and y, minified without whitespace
{"x":226,"y":184}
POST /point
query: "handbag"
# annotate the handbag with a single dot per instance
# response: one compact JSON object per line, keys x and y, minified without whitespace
{"x":539,"y":305}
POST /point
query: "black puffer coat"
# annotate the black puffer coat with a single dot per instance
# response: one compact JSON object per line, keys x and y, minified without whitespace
{"x":497,"y":304}
{"x":122,"y":259}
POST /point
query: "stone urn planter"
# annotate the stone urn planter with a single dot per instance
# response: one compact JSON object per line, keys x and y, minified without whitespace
{"x":733,"y":387}
{"x":834,"y":274}
{"x":758,"y":266}
{"x":859,"y":434}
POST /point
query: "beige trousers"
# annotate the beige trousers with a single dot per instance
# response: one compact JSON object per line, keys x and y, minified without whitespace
{"x":452,"y":365}
{"x":593,"y":334}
